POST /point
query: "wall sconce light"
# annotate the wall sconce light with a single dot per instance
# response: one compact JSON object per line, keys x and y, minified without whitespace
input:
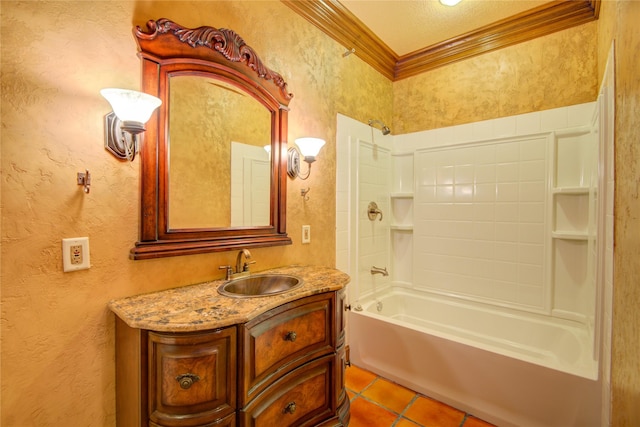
{"x":131,"y":110}
{"x":307,"y":148}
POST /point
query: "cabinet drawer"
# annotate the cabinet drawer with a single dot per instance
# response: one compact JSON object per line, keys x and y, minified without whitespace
{"x":303,"y":397}
{"x":191,"y":377}
{"x":228,"y":421}
{"x":290,"y":336}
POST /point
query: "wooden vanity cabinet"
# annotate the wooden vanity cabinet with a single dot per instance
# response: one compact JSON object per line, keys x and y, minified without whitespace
{"x":283,"y":368}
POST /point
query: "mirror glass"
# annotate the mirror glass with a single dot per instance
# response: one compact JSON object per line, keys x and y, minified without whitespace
{"x":219,"y":171}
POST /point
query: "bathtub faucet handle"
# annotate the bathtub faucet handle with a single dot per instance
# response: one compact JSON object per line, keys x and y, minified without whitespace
{"x":373,"y":211}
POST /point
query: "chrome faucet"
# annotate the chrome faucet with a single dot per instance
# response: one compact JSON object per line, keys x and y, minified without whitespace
{"x":242,"y":269}
{"x":378,"y":270}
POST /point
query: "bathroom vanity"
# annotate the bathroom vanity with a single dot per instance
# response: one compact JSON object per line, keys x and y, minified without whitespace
{"x":193,"y":357}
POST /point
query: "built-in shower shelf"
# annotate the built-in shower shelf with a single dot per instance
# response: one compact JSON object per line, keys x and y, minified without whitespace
{"x":402,"y":195}
{"x":573,"y":211}
{"x":402,"y":210}
{"x":569,"y":235}
{"x":571,"y":190}
{"x":401,"y":227}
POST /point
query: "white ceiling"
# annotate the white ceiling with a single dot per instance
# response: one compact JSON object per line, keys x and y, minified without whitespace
{"x":409,"y":25}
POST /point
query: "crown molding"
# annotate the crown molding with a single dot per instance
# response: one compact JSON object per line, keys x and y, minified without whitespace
{"x":339,"y":23}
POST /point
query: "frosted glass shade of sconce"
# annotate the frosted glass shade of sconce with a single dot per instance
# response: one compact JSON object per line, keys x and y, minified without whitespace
{"x":450,"y":2}
{"x":131,"y":105}
{"x":309,"y":148}
{"x":131,"y":110}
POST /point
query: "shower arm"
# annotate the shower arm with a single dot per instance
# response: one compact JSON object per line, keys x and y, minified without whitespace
{"x":383,"y":128}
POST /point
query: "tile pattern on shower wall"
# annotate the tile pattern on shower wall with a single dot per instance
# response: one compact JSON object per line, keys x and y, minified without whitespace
{"x":511,"y":126}
{"x":374,"y":170}
{"x":482,"y":220}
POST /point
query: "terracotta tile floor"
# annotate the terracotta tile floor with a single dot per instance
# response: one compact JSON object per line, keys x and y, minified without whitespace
{"x":377,"y":402}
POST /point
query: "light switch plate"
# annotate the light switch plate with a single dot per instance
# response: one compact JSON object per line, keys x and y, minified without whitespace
{"x":75,"y":254}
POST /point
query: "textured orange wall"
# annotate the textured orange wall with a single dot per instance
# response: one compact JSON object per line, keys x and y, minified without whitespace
{"x":619,"y":21}
{"x":57,"y":333}
{"x":548,"y":72}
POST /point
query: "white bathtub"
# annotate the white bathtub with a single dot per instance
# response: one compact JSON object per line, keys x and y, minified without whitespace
{"x":509,"y":368}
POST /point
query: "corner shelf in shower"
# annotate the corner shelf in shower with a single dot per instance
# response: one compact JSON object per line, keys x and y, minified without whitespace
{"x":401,"y":227}
{"x":401,"y":210}
{"x":573,"y":167}
{"x":569,"y":235}
{"x":575,"y":191}
{"x":570,"y":190}
{"x":571,"y":213}
{"x":402,"y":236}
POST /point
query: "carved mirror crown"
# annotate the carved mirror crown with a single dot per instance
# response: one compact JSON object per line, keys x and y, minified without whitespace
{"x":222,"y":58}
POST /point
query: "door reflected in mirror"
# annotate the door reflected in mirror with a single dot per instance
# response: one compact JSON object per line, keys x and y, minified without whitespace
{"x":219,"y":172}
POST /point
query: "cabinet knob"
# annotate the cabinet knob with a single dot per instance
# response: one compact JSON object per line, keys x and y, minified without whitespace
{"x":290,"y":408}
{"x":187,"y":380}
{"x":290,"y":336}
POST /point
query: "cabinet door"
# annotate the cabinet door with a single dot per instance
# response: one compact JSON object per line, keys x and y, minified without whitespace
{"x":192,"y":377}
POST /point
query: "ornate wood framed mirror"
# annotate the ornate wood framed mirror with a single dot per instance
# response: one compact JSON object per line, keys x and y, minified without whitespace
{"x":213,"y":160}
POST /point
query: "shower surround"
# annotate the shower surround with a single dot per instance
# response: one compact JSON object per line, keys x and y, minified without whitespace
{"x":486,"y":226}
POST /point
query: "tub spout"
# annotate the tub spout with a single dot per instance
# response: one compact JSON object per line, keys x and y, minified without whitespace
{"x":378,"y":270}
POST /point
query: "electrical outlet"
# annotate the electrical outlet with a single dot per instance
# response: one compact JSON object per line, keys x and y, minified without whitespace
{"x":75,"y":254}
{"x":306,"y":234}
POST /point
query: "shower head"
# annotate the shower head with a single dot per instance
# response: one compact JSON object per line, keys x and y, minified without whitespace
{"x":384,"y":128}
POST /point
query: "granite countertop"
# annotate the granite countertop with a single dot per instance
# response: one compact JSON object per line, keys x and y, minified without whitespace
{"x":200,"y":307}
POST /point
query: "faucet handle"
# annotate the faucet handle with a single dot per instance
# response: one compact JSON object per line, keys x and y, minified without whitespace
{"x":245,"y":267}
{"x":229,"y":272}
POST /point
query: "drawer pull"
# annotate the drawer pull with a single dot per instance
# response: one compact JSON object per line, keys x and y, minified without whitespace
{"x":290,"y":408}
{"x":187,"y":380}
{"x":290,"y":336}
